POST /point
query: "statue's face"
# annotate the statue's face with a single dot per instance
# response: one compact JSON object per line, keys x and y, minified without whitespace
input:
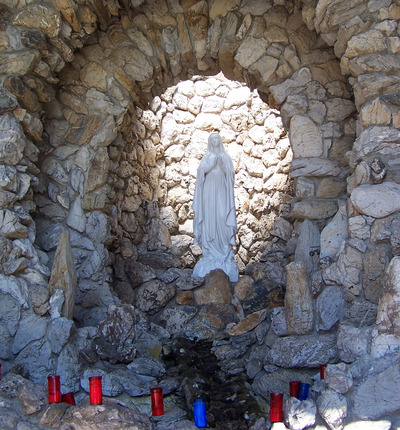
{"x":214,"y":143}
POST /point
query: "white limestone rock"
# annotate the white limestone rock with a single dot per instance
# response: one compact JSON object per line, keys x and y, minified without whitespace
{"x":346,"y":272}
{"x":300,"y":414}
{"x":339,"y":109}
{"x":359,"y":227}
{"x":314,"y":167}
{"x":338,"y":378}
{"x":332,"y":407}
{"x":386,"y":338}
{"x":304,"y":187}
{"x":305,"y":137}
{"x":237,"y":97}
{"x":56,"y":303}
{"x":208,"y":122}
{"x":366,"y":43}
{"x":250,"y":50}
{"x":376,"y":139}
{"x":382,"y":385}
{"x":378,"y":200}
{"x":334,"y":234}
{"x":314,"y":209}
{"x":266,"y":66}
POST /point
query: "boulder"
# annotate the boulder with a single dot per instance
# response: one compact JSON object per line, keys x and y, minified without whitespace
{"x":303,"y":351}
{"x":217,"y":289}
{"x":63,"y":275}
{"x":111,"y":415}
{"x":332,"y":407}
{"x":117,"y":335}
{"x":298,"y":300}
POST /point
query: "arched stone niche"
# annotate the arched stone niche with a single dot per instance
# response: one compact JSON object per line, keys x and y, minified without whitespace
{"x":76,"y":83}
{"x":94,"y":113}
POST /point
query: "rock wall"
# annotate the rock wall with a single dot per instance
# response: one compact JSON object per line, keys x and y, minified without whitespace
{"x":81,"y":151}
{"x":156,"y":177}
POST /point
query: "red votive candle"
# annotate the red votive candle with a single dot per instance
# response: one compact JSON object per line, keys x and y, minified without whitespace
{"x":293,"y":388}
{"x":322,"y":369}
{"x":276,"y":399}
{"x":96,"y":396}
{"x":276,"y":415}
{"x":68,"y":398}
{"x":276,"y":408}
{"x":157,"y":402}
{"x":54,"y":393}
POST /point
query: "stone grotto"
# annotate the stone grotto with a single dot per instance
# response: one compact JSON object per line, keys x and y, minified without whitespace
{"x":105,"y":111}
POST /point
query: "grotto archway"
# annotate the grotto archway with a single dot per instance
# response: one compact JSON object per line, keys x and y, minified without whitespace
{"x":297,"y":55}
{"x":94,"y":108}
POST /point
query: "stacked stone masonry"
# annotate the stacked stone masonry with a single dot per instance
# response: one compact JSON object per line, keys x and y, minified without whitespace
{"x":105,"y":109}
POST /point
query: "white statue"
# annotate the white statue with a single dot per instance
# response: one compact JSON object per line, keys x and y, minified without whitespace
{"x":214,"y":224}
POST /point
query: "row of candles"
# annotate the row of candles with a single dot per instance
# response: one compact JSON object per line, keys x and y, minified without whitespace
{"x":297,"y":389}
{"x":96,"y":398}
{"x":54,"y":391}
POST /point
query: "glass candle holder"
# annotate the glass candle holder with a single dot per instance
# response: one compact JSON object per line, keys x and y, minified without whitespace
{"x":276,"y":415}
{"x":276,"y":399}
{"x":68,"y":398}
{"x":54,"y":392}
{"x":276,"y":408}
{"x":322,"y":369}
{"x":157,"y":401}
{"x":294,"y":388}
{"x":200,"y":416}
{"x":303,"y":391}
{"x":96,"y":395}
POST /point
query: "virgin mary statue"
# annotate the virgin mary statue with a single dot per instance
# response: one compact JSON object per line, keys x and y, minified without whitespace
{"x":214,"y":224}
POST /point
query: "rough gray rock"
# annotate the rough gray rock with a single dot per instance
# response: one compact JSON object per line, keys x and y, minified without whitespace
{"x":329,"y":308}
{"x":31,"y":328}
{"x":117,"y":335}
{"x":110,"y":384}
{"x":111,"y":415}
{"x":298,"y":300}
{"x":353,"y":342}
{"x":303,"y":351}
{"x":59,"y":332}
{"x":152,"y":296}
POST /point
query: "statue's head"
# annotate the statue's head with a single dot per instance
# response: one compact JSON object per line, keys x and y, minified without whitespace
{"x":215,"y":143}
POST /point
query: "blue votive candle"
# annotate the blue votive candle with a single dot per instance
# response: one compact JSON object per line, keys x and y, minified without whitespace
{"x":303,"y":391}
{"x":200,"y":417}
